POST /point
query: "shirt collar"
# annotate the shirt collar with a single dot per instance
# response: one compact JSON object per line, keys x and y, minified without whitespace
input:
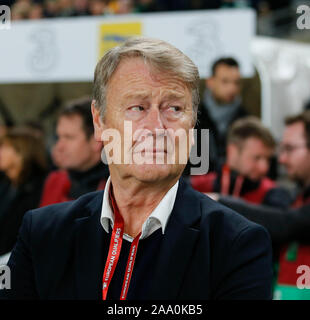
{"x":157,"y":219}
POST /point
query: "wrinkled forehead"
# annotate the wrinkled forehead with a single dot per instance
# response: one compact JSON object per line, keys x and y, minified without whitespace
{"x":141,"y":76}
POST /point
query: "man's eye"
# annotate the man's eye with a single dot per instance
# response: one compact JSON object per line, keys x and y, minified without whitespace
{"x":137,"y":108}
{"x":175,"y":108}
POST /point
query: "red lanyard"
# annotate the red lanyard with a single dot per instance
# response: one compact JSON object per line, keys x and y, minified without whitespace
{"x":129,"y":267}
{"x":114,"y":253}
{"x":225,"y":182}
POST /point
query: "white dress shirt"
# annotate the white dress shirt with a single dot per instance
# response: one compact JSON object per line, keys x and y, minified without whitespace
{"x":157,"y":219}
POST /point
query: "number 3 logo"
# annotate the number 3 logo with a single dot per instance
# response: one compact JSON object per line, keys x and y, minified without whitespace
{"x":5,"y":17}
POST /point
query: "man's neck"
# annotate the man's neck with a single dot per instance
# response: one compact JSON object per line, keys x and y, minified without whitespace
{"x":90,"y":164}
{"x":136,"y":201}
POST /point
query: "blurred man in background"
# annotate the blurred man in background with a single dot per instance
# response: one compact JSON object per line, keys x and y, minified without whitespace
{"x":288,"y":228}
{"x":295,"y":156}
{"x":250,"y":147}
{"x":78,"y":156}
{"x":221,"y":106}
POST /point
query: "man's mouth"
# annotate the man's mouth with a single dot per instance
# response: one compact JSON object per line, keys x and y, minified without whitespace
{"x":155,"y":151}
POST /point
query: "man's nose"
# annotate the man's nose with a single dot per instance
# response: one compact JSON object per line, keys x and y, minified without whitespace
{"x":153,"y":120}
{"x":59,"y":145}
{"x":233,"y":89}
{"x":282,"y":158}
{"x":264,"y":166}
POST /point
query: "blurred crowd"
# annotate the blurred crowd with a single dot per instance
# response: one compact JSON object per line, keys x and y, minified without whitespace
{"x":38,"y":9}
{"x":32,"y":176}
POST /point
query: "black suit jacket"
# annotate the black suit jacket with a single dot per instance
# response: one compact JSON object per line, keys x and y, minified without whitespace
{"x":208,"y":252}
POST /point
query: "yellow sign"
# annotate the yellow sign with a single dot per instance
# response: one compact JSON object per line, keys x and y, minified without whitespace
{"x":112,"y":35}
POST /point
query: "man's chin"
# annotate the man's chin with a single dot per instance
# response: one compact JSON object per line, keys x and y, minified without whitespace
{"x":292,"y":175}
{"x":154,"y":172}
{"x":256,"y":178}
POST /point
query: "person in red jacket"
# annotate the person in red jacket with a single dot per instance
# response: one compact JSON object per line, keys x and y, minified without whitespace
{"x":77,"y":155}
{"x":295,"y":156}
{"x":289,"y":227}
{"x":244,"y":174}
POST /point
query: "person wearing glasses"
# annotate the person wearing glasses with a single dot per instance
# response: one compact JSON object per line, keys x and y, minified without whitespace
{"x":289,"y":228}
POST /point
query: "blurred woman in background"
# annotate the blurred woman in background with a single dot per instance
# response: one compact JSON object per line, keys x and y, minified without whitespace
{"x":23,"y":165}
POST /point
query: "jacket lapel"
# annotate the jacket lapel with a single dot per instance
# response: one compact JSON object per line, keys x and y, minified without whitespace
{"x":89,"y":245}
{"x":178,"y":244}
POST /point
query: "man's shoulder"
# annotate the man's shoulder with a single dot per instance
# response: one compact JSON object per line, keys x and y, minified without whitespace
{"x":220,"y":221}
{"x":222,"y":214}
{"x":55,"y":215}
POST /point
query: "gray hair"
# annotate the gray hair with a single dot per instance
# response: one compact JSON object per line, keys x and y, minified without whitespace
{"x":156,"y":53}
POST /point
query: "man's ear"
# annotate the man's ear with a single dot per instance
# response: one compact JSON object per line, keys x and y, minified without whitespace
{"x":97,"y":121}
{"x":96,"y":145}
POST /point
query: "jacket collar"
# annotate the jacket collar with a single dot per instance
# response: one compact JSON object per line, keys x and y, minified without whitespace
{"x":157,"y":219}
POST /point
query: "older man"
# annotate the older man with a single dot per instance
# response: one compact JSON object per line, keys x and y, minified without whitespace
{"x":148,"y":235}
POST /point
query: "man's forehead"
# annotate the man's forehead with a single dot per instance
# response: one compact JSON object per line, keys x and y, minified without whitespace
{"x":294,"y":131}
{"x":73,"y":118}
{"x":133,"y":78}
{"x":66,"y":122}
{"x":223,"y":69}
{"x":260,"y":144}
{"x":131,"y":69}
{"x":144,"y":93}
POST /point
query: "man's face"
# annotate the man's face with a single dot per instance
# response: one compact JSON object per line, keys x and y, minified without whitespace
{"x":151,"y":102}
{"x":225,"y":83}
{"x":294,"y":154}
{"x":252,"y":159}
{"x":73,"y":150}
